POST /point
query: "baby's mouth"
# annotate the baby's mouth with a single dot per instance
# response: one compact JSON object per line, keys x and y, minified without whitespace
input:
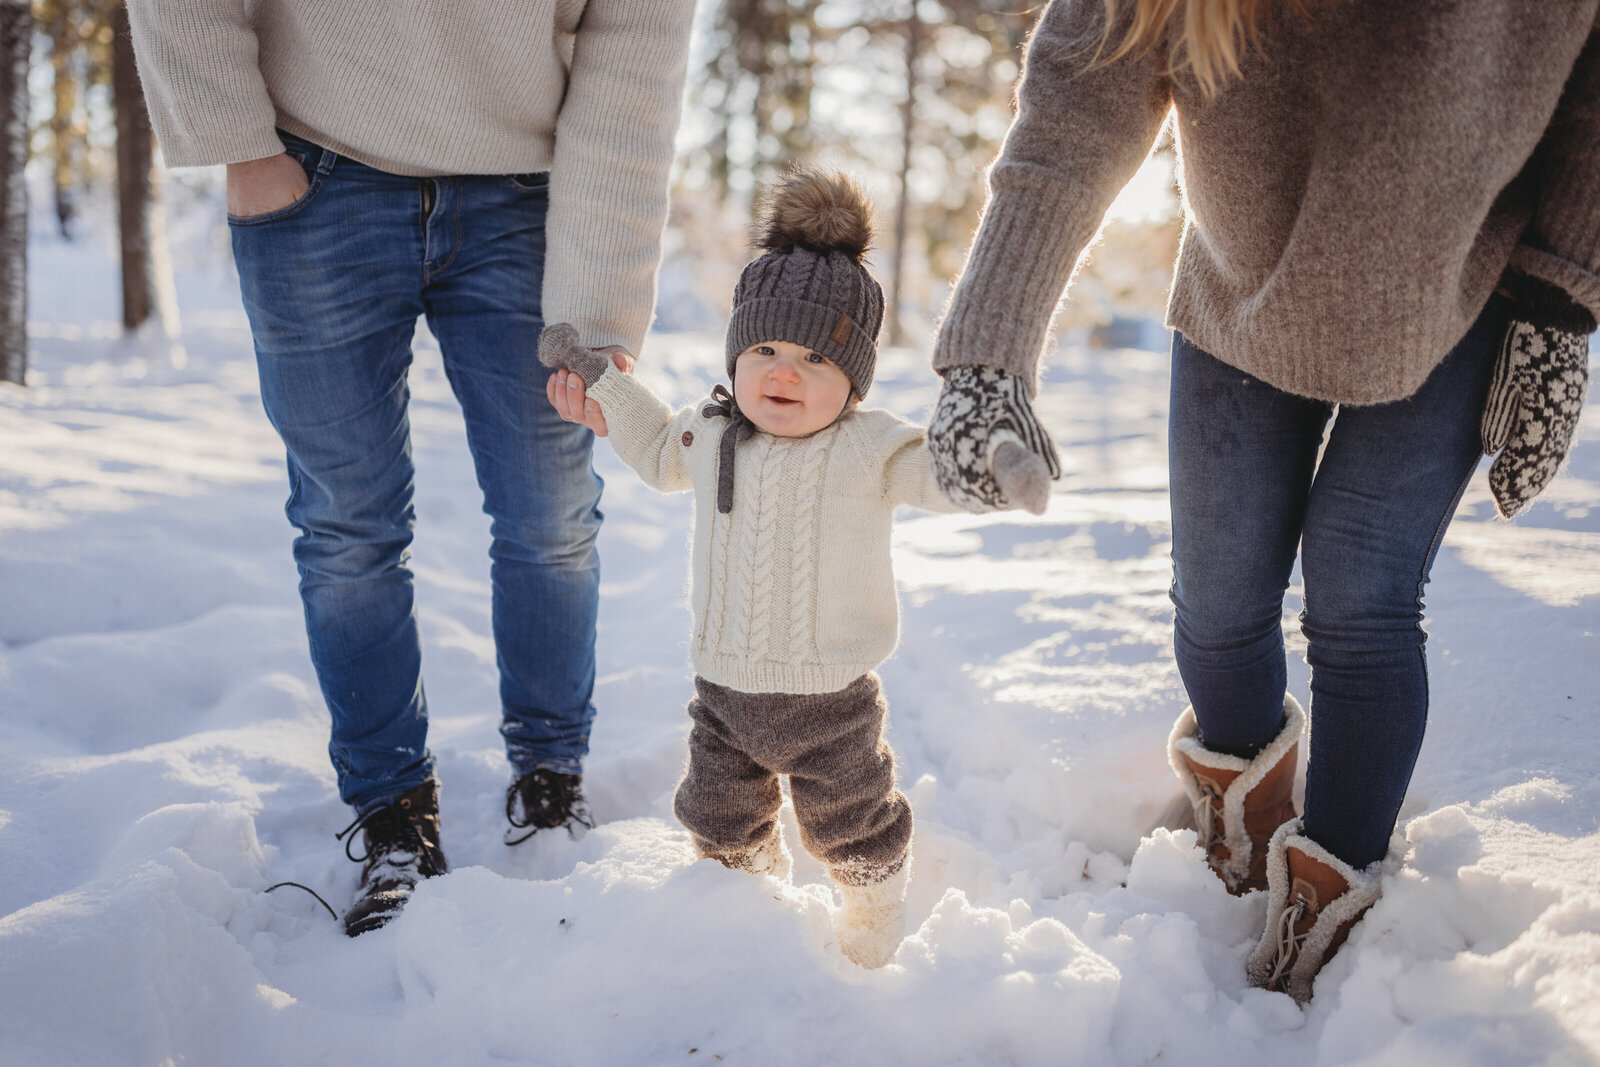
{"x":781,"y":399}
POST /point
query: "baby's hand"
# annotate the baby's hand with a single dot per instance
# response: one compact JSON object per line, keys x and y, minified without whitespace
{"x":571,"y":401}
{"x":578,"y":368}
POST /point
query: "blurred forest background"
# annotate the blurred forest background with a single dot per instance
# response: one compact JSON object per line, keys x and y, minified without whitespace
{"x":912,"y":96}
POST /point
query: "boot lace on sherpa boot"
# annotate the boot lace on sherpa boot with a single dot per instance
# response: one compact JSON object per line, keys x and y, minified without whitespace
{"x":1314,"y":900}
{"x":402,"y":842}
{"x":543,"y":800}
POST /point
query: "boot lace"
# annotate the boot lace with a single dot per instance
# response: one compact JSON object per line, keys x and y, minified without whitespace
{"x":1205,"y":816}
{"x":393,"y":840}
{"x":543,"y":800}
{"x":1289,"y":942}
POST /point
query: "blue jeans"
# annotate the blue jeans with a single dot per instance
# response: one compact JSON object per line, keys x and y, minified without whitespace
{"x":1248,"y":490}
{"x":333,"y":285}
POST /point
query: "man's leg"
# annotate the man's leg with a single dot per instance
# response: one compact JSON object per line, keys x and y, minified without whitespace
{"x":485,"y":254}
{"x":331,"y":288}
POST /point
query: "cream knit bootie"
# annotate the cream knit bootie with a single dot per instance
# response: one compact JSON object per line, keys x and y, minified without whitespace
{"x":872,"y":922}
{"x":1238,"y":803}
{"x":770,"y":857}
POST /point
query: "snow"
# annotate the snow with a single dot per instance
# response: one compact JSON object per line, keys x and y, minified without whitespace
{"x":162,"y":761}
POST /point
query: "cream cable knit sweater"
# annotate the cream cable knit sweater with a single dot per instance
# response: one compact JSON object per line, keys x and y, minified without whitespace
{"x":589,"y":90}
{"x":793,"y":590}
{"x":1351,"y":201}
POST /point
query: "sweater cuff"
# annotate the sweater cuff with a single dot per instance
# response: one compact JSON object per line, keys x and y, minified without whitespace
{"x":634,"y":415}
{"x":1026,"y":251}
{"x":620,"y":392}
{"x":1581,"y":285}
{"x":1547,"y":305}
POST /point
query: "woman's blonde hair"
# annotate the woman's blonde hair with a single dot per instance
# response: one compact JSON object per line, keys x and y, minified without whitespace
{"x":1205,"y":37}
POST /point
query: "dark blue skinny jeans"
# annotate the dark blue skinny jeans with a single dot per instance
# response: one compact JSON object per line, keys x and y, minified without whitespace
{"x":333,"y":285}
{"x":1248,"y":491}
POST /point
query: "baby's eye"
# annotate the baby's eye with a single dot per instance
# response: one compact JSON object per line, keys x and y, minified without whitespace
{"x":816,"y":357}
{"x":765,"y":350}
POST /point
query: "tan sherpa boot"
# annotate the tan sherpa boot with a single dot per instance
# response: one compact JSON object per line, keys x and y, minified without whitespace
{"x":1238,"y":803}
{"x":1313,"y":901}
{"x":872,"y":922}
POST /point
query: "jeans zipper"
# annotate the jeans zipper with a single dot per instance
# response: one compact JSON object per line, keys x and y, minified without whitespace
{"x":427,"y":198}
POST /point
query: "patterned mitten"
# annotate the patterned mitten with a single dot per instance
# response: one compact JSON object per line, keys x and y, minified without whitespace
{"x":1536,"y":394}
{"x":559,"y":349}
{"x":989,"y":450}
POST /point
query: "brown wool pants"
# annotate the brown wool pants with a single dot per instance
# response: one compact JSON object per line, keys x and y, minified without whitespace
{"x":841,"y":777}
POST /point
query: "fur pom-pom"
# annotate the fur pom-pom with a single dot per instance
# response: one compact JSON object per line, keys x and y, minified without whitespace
{"x":823,"y":211}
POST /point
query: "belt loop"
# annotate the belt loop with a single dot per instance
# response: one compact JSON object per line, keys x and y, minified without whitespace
{"x":325,"y":164}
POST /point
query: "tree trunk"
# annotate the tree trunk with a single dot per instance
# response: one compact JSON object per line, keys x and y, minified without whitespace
{"x":65,"y":137}
{"x":16,"y":34}
{"x":134,"y":160}
{"x":902,"y":208}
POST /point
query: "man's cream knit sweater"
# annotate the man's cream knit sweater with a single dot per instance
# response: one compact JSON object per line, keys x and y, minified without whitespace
{"x":588,"y":90}
{"x":1351,"y":200}
{"x":792,"y":590}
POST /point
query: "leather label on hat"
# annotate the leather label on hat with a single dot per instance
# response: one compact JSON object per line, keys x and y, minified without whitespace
{"x":841,"y":330}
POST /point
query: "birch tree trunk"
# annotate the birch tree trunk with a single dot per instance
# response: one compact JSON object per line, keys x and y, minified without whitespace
{"x":16,"y":34}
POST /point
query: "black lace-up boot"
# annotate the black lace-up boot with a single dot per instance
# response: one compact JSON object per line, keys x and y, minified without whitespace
{"x":544,"y":800}
{"x":402,"y":839}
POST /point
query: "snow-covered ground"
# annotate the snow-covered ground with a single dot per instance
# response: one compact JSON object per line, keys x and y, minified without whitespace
{"x":162,"y":761}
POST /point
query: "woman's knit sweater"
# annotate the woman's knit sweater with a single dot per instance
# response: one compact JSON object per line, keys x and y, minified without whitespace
{"x":588,"y":90}
{"x":792,"y":590}
{"x":1351,"y":201}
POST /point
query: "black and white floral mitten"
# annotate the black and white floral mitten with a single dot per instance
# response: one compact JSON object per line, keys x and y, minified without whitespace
{"x":1536,"y":393}
{"x":989,"y":449}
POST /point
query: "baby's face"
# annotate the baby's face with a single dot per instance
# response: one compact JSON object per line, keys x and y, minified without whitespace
{"x":787,"y":389}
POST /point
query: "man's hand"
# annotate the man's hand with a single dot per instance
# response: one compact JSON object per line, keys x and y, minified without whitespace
{"x":264,"y":185}
{"x":574,"y":365}
{"x":989,"y":450}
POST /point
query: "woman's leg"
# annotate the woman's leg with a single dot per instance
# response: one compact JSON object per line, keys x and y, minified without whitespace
{"x":1386,"y":489}
{"x":1242,"y":455}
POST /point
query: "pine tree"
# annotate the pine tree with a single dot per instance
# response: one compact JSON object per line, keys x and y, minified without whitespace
{"x":757,"y":89}
{"x":134,"y":191}
{"x":60,"y":20}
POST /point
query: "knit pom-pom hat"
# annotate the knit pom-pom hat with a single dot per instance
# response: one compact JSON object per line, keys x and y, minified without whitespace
{"x":810,"y":288}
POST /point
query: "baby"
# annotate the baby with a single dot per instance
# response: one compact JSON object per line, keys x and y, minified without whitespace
{"x":794,"y":599}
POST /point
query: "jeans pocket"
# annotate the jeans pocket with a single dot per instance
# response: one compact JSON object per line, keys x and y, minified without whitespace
{"x":311,"y":158}
{"x":529,"y":183}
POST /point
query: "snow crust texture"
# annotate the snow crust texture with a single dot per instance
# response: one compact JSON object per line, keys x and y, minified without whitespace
{"x":163,"y":761}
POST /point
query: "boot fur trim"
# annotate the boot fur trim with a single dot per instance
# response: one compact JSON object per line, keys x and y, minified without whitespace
{"x":1184,"y":748}
{"x":1365,"y":887}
